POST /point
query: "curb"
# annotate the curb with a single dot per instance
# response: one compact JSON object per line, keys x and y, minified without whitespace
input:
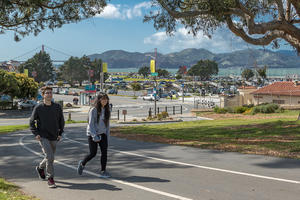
{"x":150,"y":122}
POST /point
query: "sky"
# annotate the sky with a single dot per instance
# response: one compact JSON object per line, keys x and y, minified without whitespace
{"x":119,"y":27}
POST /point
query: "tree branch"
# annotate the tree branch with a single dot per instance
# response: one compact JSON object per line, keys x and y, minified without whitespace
{"x":296,"y":4}
{"x":288,"y":11}
{"x":265,"y":40}
{"x":184,"y":14}
{"x":280,"y":10}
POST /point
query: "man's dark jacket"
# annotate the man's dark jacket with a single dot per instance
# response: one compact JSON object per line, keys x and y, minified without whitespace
{"x":47,"y":121}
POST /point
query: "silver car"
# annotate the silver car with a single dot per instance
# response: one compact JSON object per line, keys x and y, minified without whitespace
{"x":29,"y":104}
{"x":151,"y":97}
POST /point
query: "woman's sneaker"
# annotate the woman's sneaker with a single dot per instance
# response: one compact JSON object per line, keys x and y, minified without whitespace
{"x":80,"y":167}
{"x":104,"y":174}
{"x":40,"y":172}
{"x":51,"y":183}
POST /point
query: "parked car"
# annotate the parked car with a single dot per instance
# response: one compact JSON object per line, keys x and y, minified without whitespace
{"x":5,"y":98}
{"x":112,"y":91}
{"x":29,"y":104}
{"x":151,"y":97}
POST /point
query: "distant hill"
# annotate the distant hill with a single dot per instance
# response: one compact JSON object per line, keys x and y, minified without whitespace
{"x":189,"y":57}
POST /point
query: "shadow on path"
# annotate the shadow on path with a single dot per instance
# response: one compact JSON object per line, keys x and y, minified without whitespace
{"x":87,"y":186}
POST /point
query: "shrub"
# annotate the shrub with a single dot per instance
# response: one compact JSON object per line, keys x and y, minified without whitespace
{"x":265,"y":108}
{"x":159,"y":116}
{"x":220,"y":110}
{"x":240,"y":109}
{"x":165,"y":114}
{"x":230,"y":109}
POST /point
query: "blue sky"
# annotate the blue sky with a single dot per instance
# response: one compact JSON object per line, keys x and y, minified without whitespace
{"x":119,"y":27}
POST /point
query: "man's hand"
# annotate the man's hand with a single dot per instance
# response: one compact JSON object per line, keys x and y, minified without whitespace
{"x":38,"y":137}
{"x":59,"y":138}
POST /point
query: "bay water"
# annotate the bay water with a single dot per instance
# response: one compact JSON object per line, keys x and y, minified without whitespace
{"x":271,"y":72}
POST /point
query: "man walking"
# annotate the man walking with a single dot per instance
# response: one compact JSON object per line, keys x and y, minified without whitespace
{"x":47,"y":124}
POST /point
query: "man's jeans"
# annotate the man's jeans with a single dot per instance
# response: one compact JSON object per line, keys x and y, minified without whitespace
{"x":48,"y":148}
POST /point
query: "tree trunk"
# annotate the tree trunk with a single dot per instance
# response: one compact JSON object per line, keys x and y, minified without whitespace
{"x":298,"y":117}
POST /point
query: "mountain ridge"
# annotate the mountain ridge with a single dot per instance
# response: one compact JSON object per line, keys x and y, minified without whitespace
{"x":247,"y":58}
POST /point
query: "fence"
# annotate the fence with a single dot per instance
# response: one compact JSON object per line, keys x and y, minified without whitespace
{"x":171,"y":110}
{"x":6,"y":105}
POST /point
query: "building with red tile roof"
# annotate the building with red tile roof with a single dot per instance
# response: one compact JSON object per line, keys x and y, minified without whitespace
{"x":285,"y":93}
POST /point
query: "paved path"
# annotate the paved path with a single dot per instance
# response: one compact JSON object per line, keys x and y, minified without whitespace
{"x":148,"y":171}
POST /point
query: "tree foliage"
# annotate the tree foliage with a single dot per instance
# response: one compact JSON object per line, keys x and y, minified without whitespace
{"x":262,"y":72}
{"x":182,"y":70}
{"x":136,"y":87}
{"x":32,"y":16}
{"x":145,"y":71}
{"x":204,"y":69}
{"x":41,"y":65}
{"x":17,"y":85}
{"x":163,"y":73}
{"x":96,"y":67}
{"x":74,"y":69}
{"x":28,"y":88}
{"x":8,"y":83}
{"x":258,"y":22}
{"x":247,"y":74}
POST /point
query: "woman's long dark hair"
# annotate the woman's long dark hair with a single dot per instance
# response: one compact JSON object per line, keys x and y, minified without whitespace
{"x":98,"y":106}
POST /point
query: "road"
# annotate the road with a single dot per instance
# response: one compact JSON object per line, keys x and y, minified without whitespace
{"x":136,"y":108}
{"x":148,"y":171}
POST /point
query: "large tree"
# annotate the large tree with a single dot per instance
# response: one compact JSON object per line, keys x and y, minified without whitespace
{"x":247,"y":74}
{"x":258,"y":22}
{"x":8,"y":84}
{"x":204,"y":69}
{"x":39,"y":66}
{"x":28,"y":88}
{"x":145,"y":71}
{"x":95,"y":66}
{"x":75,"y":69}
{"x":32,"y":16}
{"x":163,"y":73}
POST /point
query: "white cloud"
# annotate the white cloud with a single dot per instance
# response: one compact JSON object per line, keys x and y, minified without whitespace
{"x":222,"y":41}
{"x":117,"y":11}
{"x":111,"y":12}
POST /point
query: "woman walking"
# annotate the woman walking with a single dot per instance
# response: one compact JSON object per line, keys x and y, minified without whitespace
{"x":98,"y":131}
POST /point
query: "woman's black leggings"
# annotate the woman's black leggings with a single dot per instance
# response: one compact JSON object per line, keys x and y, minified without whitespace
{"x":93,"y":151}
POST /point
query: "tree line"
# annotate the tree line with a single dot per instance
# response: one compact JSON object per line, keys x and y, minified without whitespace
{"x":74,"y":70}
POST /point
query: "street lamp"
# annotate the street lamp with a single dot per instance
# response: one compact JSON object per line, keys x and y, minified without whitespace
{"x":155,"y":82}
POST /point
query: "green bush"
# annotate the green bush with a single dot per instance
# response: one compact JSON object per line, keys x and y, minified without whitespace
{"x":165,"y":114}
{"x":265,"y":108}
{"x":159,"y":116}
{"x":230,"y":110}
{"x":220,"y":110}
{"x":240,"y":109}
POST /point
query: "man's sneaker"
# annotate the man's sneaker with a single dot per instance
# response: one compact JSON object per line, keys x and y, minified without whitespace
{"x":80,"y":167}
{"x":104,"y":174}
{"x":51,"y":183}
{"x":40,"y":172}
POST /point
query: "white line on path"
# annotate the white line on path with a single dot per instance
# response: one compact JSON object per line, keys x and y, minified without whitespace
{"x":112,"y":179}
{"x":199,"y":166}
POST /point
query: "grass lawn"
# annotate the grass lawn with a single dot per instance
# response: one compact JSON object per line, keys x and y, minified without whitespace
{"x":11,"y":191}
{"x":12,"y":128}
{"x":274,"y":134}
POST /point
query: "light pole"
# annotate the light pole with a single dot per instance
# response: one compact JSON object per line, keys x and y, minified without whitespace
{"x":155,"y":82}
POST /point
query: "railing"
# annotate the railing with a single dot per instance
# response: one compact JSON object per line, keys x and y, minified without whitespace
{"x":171,"y":110}
{"x":206,"y":102}
{"x":115,"y":114}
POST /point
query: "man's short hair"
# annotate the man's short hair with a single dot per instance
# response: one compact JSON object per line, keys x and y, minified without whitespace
{"x":43,"y":89}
